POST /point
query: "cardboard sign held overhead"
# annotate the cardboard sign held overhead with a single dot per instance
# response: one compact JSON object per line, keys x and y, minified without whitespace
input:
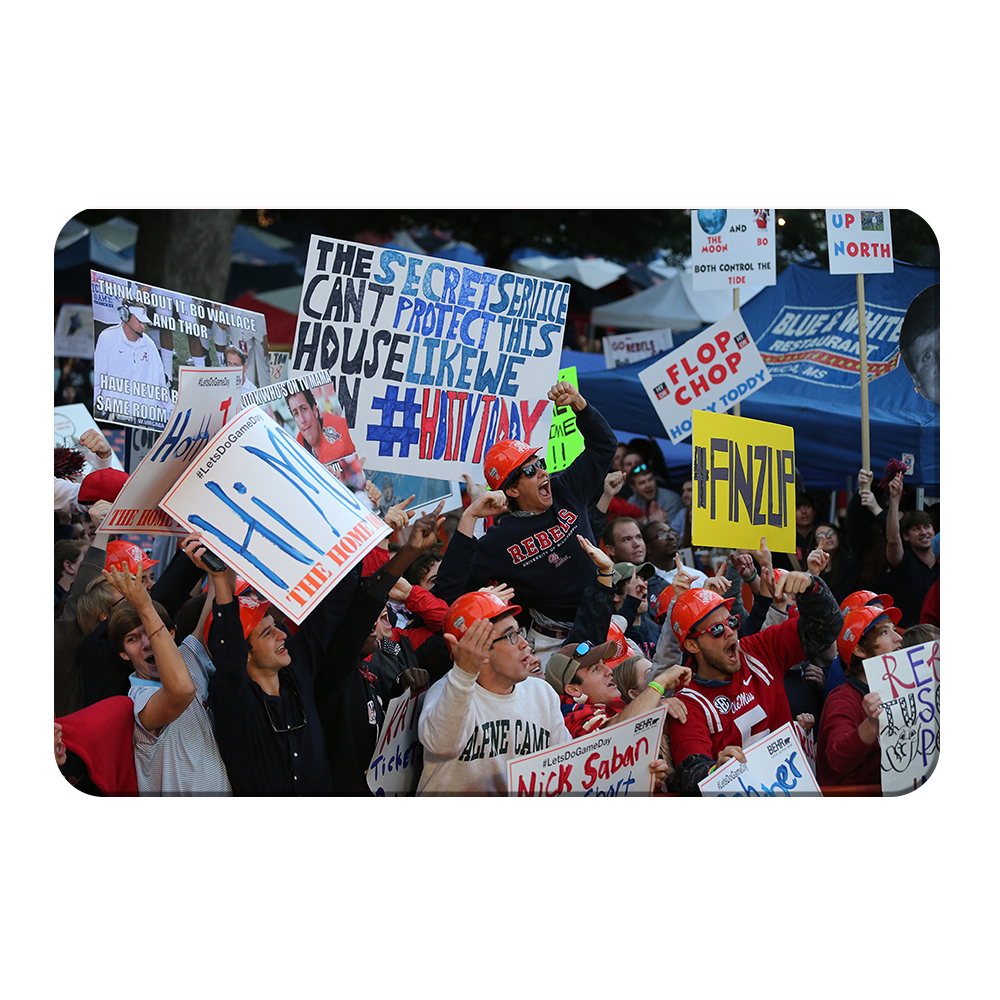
{"x":434,"y":361}
{"x":712,"y":371}
{"x":859,"y":240}
{"x":565,"y":438}
{"x":732,"y":248}
{"x":206,"y":398}
{"x":273,"y":513}
{"x":744,"y":483}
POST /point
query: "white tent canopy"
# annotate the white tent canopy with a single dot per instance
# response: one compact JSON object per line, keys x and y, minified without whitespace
{"x":672,"y":304}
{"x":594,"y":272}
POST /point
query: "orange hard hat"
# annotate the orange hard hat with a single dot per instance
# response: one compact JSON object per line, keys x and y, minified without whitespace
{"x":856,"y":623}
{"x":474,"y":607}
{"x":252,"y":613}
{"x":692,"y":606}
{"x":661,"y":603}
{"x":505,"y":458}
{"x":862,"y":598}
{"x":620,"y":651}
{"x":121,"y":553}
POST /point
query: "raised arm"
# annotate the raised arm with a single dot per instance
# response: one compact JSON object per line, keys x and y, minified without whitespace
{"x":178,"y":688}
{"x":893,"y":539}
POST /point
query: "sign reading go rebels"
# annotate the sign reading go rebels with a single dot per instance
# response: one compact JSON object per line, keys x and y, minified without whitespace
{"x":434,"y":362}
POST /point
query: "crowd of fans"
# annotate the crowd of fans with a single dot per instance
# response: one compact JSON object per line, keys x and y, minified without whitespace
{"x":546,"y":608}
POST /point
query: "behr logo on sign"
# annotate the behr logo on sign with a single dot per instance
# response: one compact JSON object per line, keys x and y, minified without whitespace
{"x":779,"y":744}
{"x":644,"y":724}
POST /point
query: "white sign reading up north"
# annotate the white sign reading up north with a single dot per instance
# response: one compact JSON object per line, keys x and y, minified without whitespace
{"x":712,"y":371}
{"x":206,"y":399}
{"x":628,"y":348}
{"x":732,"y":247}
{"x":908,"y":681}
{"x":775,"y":766}
{"x":434,"y":361}
{"x":273,"y":513}
{"x":859,"y":240}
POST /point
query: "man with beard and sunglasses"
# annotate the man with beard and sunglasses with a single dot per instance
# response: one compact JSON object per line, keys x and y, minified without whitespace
{"x":532,"y":547}
{"x":736,"y":695}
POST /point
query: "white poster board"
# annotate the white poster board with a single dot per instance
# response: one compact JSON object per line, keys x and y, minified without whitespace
{"x":712,"y":371}
{"x":622,"y":349}
{"x":908,"y":681}
{"x":776,"y":765}
{"x":613,"y":761}
{"x":70,"y":422}
{"x":144,"y":335}
{"x":859,"y":240}
{"x":434,"y":360}
{"x":398,"y":756}
{"x":74,"y":334}
{"x":269,"y":510}
{"x":206,"y":398}
{"x":732,"y":248}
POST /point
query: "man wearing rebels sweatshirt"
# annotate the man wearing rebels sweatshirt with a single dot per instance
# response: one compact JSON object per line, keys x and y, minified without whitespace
{"x":532,"y":548}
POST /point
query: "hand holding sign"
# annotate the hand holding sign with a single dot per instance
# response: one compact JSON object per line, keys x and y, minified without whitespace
{"x":727,"y":753}
{"x":872,"y":705}
{"x":489,"y":504}
{"x":96,"y":442}
{"x":567,"y":394}
{"x":99,"y":511}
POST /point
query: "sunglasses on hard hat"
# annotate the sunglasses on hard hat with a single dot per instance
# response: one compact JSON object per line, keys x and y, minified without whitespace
{"x":717,"y":630}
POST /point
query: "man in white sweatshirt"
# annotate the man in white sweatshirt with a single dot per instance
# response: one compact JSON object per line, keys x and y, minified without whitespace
{"x":486,"y":710}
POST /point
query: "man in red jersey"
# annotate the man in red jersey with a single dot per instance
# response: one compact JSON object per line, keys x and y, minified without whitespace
{"x":736,"y":695}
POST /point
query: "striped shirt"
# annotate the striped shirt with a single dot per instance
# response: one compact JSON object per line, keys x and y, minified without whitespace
{"x":183,"y":759}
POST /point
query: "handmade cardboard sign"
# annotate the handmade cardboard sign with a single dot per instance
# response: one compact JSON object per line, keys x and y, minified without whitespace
{"x":398,"y":756}
{"x":775,"y":766}
{"x":144,"y":335}
{"x":70,"y":422}
{"x":206,"y":398}
{"x":622,"y":349}
{"x":859,"y":240}
{"x":908,"y":681}
{"x":712,"y":371}
{"x":744,"y":483}
{"x":732,"y":247}
{"x":565,"y":438}
{"x":273,"y":513}
{"x":433,"y":361}
{"x":613,"y":761}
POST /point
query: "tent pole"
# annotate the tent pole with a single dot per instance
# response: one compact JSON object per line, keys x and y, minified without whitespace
{"x":863,"y":344}
{"x":736,"y":306}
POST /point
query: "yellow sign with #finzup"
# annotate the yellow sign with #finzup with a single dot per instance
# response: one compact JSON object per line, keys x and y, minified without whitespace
{"x":565,"y":439}
{"x":743,"y":473}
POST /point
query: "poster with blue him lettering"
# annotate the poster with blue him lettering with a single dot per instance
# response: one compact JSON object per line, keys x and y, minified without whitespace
{"x":434,"y":361}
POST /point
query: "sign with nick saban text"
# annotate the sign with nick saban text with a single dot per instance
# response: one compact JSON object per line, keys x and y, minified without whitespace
{"x":273,"y":513}
{"x":434,"y":361}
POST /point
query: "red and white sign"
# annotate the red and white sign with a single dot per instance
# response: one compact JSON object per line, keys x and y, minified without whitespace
{"x":613,"y":761}
{"x":712,"y":371}
{"x":627,"y":348}
{"x":398,"y":758}
{"x":273,"y":513}
{"x":732,"y":248}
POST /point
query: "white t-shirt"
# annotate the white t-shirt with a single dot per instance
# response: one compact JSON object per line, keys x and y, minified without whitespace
{"x":469,"y":734}
{"x":120,"y":362}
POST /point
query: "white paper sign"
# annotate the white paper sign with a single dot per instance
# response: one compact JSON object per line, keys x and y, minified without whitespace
{"x":712,"y":371}
{"x":731,"y":247}
{"x":859,"y":240}
{"x":206,"y":398}
{"x":398,"y":757}
{"x":434,"y":360}
{"x":628,"y":348}
{"x":74,"y":335}
{"x":776,"y":765}
{"x":70,"y":422}
{"x":270,"y":510}
{"x":908,"y":681}
{"x":613,"y":761}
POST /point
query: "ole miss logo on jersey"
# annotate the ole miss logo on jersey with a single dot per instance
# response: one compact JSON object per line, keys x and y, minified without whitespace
{"x":537,"y":544}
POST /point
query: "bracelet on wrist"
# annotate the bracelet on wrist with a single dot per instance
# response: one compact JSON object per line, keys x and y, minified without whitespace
{"x":657,"y":687}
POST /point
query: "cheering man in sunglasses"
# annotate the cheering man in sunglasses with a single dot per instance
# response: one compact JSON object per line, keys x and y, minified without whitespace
{"x":737,"y":694}
{"x":532,"y":549}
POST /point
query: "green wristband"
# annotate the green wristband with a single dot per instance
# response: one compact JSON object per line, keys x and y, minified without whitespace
{"x":657,"y":687}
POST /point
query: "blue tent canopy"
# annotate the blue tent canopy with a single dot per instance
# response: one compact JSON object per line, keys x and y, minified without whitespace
{"x":806,"y":329}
